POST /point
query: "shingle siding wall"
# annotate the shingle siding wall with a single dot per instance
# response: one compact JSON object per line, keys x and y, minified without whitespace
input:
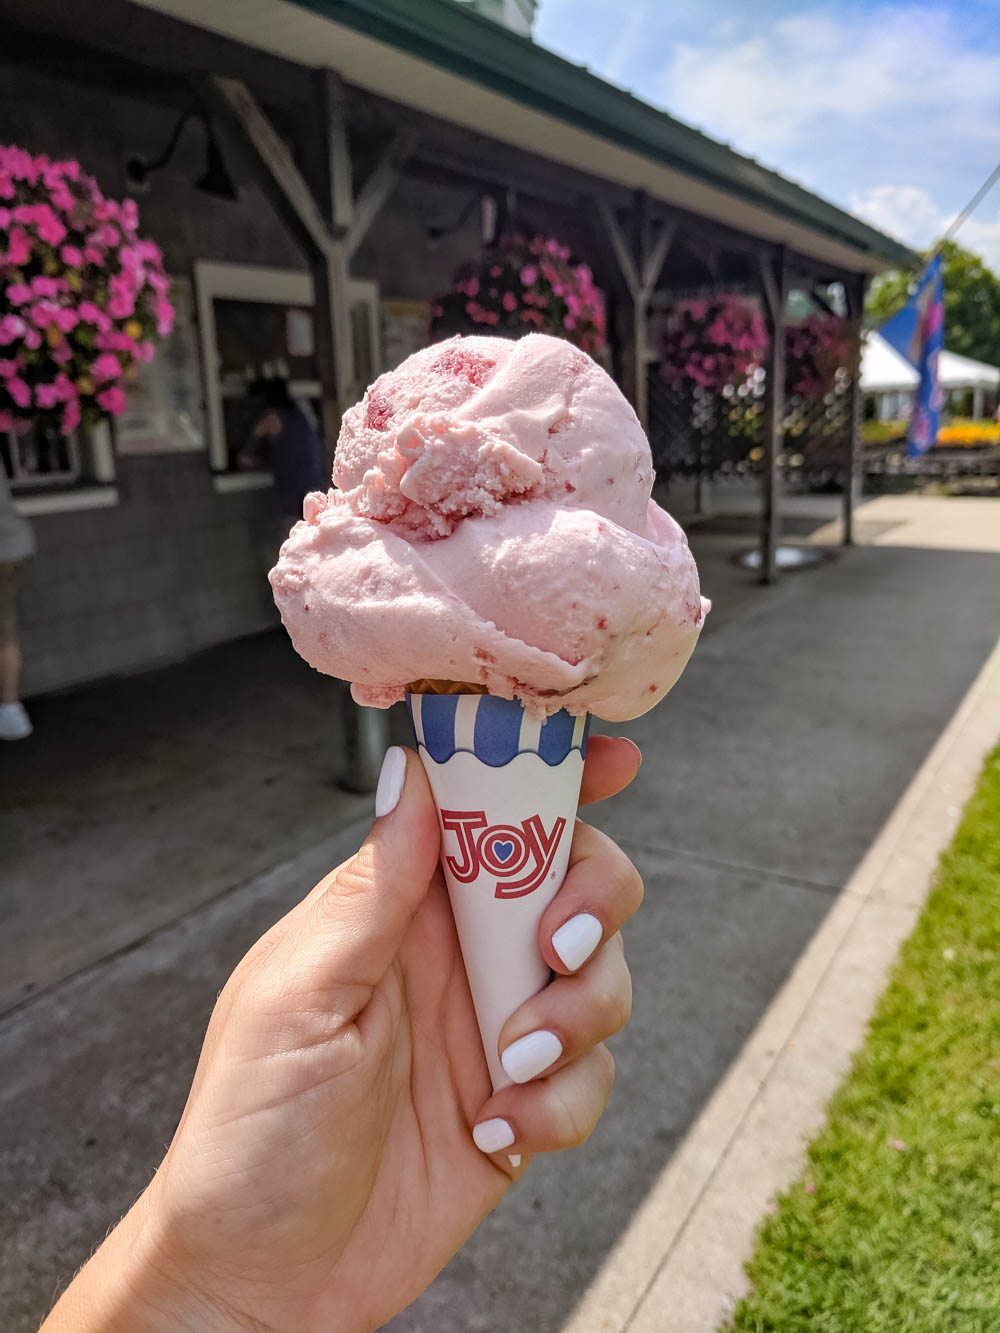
{"x":173,"y":568}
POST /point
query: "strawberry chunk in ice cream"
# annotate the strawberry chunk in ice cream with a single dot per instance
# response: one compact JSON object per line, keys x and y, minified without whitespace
{"x":491,"y":523}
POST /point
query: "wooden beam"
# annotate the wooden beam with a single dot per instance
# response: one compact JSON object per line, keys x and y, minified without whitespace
{"x":379,"y":186}
{"x":656,"y":258}
{"x":640,"y":275}
{"x":337,"y":188}
{"x":773,"y":280}
{"x":275,"y":165}
{"x":620,"y":247}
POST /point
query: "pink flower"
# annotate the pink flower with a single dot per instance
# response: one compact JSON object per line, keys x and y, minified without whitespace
{"x":19,"y":391}
{"x":6,"y":186}
{"x":5,"y":217}
{"x":129,"y":214}
{"x":6,"y":420}
{"x":569,"y":323}
{"x":509,"y":301}
{"x":897,"y":1144}
{"x":71,"y":256}
{"x":43,"y":286}
{"x":18,"y":247}
{"x":61,"y":353}
{"x":116,"y":341}
{"x":106,"y":367}
{"x":145,"y":351}
{"x":93,"y":255}
{"x":18,"y":293}
{"x":46,"y":395}
{"x":12,"y":327}
{"x":160,"y":283}
{"x":63,"y":200}
{"x":121,"y":305}
{"x":42,"y":313}
{"x":70,"y":417}
{"x":698,"y":309}
{"x":112,"y":400}
{"x":164,"y":317}
{"x":48,"y":226}
{"x":149,"y":251}
{"x":94,"y":315}
{"x":12,"y":366}
{"x":528,"y":275}
{"x":32,"y":338}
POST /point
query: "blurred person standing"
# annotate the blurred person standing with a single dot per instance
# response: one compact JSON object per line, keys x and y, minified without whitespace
{"x":286,"y":442}
{"x":17,"y":544}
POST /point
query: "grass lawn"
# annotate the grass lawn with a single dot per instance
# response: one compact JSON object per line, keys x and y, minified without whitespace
{"x":894,"y":1226}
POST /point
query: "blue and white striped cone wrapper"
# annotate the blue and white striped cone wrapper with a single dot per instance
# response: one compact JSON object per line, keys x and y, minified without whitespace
{"x":507,"y":788}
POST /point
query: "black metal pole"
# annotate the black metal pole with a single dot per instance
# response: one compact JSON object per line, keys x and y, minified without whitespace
{"x":854,"y":477}
{"x":772,"y":272}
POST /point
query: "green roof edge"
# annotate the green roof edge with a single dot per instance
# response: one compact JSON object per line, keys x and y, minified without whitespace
{"x":457,"y":39}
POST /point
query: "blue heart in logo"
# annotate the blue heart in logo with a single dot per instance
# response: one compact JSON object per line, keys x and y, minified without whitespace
{"x":503,"y":851}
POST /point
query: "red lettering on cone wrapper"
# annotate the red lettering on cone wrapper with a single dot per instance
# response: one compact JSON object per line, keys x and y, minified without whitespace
{"x":503,"y":850}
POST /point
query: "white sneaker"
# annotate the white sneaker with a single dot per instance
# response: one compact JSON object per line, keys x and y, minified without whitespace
{"x":14,"y":722}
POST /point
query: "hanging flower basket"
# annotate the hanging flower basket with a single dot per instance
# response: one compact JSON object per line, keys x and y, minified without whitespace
{"x":520,"y":286}
{"x":715,"y":342}
{"x":815,"y":350}
{"x":82,"y":297}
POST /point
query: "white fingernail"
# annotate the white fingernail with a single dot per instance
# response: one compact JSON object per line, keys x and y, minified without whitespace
{"x":514,"y":1158}
{"x":527,"y":1057}
{"x":390,"y":781}
{"x":577,"y":939}
{"x":492,"y":1135}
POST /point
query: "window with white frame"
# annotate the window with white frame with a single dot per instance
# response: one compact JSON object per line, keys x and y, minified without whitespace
{"x":256,"y":322}
{"x":41,"y":460}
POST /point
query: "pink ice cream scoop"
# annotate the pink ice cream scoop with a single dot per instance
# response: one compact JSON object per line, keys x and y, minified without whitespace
{"x":491,"y":524}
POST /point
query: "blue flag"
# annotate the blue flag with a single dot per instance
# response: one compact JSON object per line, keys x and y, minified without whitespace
{"x":917,"y":333}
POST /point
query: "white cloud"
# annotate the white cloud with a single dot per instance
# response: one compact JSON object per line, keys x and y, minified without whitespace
{"x":983,"y":237}
{"x":626,"y":45}
{"x":887,"y":80}
{"x":910,"y":214}
{"x":904,"y":211}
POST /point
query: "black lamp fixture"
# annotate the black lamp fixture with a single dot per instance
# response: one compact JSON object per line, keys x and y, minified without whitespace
{"x":214,"y":180}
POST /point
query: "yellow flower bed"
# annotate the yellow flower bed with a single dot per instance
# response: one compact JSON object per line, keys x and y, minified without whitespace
{"x":960,"y":433}
{"x":968,"y":434}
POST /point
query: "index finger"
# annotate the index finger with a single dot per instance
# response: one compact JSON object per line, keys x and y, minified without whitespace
{"x":611,"y":764}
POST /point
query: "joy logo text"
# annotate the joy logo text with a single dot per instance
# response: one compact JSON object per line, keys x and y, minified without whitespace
{"x":519,"y":856}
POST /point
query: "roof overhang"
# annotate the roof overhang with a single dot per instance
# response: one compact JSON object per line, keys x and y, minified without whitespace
{"x":447,"y":63}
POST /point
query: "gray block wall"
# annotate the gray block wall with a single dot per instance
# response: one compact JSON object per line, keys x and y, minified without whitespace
{"x":172,"y":568}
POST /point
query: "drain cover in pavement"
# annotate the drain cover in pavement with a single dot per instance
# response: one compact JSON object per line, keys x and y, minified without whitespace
{"x":785,"y":557}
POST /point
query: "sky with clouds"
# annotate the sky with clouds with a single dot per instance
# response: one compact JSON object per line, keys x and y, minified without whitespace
{"x":891,"y":110}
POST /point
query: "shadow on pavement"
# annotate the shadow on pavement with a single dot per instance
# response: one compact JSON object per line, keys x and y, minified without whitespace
{"x":769,"y":769}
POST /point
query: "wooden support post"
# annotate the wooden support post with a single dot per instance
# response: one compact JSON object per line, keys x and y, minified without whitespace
{"x":640,"y":275}
{"x":773,"y":284}
{"x":853,"y":478}
{"x":328,"y":230}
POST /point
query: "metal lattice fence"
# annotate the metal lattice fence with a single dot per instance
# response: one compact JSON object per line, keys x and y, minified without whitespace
{"x":698,"y":432}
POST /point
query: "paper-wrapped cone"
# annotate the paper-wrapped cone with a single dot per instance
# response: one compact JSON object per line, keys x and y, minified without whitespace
{"x":506,"y":787}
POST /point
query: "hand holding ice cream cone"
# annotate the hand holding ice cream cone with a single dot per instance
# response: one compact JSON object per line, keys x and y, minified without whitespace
{"x":341,"y":1120}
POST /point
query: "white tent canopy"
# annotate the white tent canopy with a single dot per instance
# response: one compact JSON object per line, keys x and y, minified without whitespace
{"x":961,"y":372}
{"x":884,"y":370}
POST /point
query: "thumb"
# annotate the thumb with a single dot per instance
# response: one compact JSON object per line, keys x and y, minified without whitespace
{"x":353,"y":923}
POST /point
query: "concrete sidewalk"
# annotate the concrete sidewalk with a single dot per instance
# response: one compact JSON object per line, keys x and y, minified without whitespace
{"x":769,"y":770}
